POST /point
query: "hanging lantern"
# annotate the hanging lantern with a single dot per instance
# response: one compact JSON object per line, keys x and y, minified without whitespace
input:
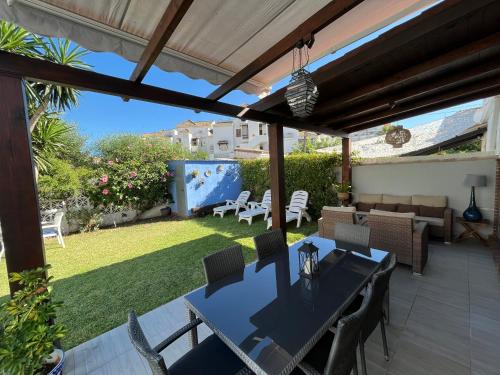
{"x":301,"y":93}
{"x":397,"y":136}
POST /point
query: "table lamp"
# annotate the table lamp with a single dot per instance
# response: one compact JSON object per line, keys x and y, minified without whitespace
{"x":472,"y":213}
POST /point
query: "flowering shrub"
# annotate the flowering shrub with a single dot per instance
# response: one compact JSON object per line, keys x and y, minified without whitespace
{"x":132,"y":172}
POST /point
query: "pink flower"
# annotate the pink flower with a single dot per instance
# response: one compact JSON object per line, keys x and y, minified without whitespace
{"x":130,"y":186}
{"x":104,"y":179}
{"x":133,"y":174}
{"x":110,"y":162}
{"x":105,"y":192}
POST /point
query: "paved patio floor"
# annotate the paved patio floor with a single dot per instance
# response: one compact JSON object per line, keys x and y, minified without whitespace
{"x":444,"y":322}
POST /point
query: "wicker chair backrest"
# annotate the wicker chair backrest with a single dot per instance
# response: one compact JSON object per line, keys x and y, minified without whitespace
{"x":223,"y":263}
{"x":269,"y":243}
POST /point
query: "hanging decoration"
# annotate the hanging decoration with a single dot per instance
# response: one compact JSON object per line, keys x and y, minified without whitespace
{"x":301,"y":93}
{"x":397,"y":136}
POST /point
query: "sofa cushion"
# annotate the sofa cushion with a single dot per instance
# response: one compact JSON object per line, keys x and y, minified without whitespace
{"x":431,"y":211}
{"x":340,"y":209}
{"x":429,"y":200}
{"x":409,"y":215}
{"x":431,"y":220}
{"x":398,"y":199}
{"x":370,"y":198}
{"x":365,"y":207}
{"x":386,"y":207}
{"x":408,"y":208}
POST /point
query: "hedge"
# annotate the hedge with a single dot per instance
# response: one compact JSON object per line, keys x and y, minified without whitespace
{"x":314,"y":173}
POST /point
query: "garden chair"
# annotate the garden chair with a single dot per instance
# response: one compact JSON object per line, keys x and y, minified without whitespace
{"x":53,"y":228}
{"x":240,"y":202}
{"x":256,"y":209}
{"x":223,"y":263}
{"x":211,"y":356}
{"x":296,"y":209}
{"x":269,"y":243}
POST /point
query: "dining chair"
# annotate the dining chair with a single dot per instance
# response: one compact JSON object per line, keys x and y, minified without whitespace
{"x":268,"y":243}
{"x":353,"y":234}
{"x":335,"y":353}
{"x":376,"y":310}
{"x":223,"y":263}
{"x":209,"y":357}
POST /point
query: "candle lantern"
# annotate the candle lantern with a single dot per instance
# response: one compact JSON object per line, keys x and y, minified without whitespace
{"x":308,"y":260}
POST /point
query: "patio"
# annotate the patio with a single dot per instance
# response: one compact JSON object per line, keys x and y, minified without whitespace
{"x":445,"y":322}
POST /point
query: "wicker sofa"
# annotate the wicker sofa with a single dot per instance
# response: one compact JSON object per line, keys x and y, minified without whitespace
{"x":398,"y":233}
{"x":432,"y":210}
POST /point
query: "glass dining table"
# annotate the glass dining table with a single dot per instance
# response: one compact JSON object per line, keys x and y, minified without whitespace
{"x":270,"y":316}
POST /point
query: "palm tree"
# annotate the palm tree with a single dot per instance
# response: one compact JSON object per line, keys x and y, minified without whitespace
{"x":47,"y":140}
{"x":43,"y":97}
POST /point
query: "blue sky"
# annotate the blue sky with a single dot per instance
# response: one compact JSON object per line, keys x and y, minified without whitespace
{"x":98,"y":115}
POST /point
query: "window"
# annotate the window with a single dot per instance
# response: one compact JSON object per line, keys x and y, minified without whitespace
{"x":195,"y":141}
{"x":244,"y":131}
{"x":238,"y":133}
{"x":262,"y":129}
{"x":223,"y":145}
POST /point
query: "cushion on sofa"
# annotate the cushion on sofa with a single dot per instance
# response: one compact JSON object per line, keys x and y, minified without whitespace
{"x":408,"y":208}
{"x":429,"y":200}
{"x":370,"y":198}
{"x":409,"y":215}
{"x":340,"y":209}
{"x":364,"y":207}
{"x":398,"y":199}
{"x":386,"y":207}
{"x":427,"y":211}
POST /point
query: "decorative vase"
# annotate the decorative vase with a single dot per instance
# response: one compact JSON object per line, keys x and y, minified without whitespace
{"x":472,"y":213}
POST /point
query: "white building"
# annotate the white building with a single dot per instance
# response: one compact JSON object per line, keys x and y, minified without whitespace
{"x":227,"y":139}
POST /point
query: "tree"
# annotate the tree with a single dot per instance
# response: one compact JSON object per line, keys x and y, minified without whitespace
{"x":43,"y":97}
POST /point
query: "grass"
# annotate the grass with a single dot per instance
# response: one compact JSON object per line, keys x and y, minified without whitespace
{"x":101,"y":275}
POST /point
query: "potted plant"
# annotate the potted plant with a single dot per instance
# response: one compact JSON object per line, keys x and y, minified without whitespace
{"x":28,"y":330}
{"x":343,"y":189}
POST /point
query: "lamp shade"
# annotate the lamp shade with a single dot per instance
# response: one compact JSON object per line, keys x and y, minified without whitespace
{"x":475,"y":180}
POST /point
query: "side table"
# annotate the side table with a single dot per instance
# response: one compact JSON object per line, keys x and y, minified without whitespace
{"x":472,"y":229}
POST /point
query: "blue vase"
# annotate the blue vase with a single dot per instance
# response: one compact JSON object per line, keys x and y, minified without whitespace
{"x":472,"y":213}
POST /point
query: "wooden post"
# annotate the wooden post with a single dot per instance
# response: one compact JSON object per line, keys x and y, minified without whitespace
{"x":277,"y":172}
{"x":19,"y":209}
{"x":346,"y":161}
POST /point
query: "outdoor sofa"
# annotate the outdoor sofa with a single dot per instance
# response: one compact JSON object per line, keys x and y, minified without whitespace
{"x":432,"y":210}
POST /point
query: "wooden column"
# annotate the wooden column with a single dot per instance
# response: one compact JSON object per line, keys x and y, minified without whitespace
{"x":277,"y":172}
{"x":19,"y":210}
{"x":346,"y":161}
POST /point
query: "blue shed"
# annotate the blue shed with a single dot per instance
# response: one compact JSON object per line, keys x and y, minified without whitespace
{"x":200,"y":183}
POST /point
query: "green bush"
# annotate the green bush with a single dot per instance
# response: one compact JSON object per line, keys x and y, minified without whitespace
{"x":314,"y":173}
{"x":63,"y":180}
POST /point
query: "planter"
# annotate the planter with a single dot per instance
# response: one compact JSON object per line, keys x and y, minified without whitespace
{"x":59,"y":367}
{"x":343,"y":196}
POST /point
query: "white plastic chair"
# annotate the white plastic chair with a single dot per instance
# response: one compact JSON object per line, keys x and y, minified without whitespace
{"x":240,"y":202}
{"x":262,"y":208}
{"x":53,"y":229}
{"x":296,"y":209}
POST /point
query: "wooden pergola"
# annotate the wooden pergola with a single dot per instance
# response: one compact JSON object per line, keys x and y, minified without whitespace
{"x":448,"y":55}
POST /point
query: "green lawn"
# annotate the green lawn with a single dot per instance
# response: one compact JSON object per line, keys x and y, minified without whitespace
{"x":100,"y":276}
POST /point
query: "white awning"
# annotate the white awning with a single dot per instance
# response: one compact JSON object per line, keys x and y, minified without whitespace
{"x":215,"y":39}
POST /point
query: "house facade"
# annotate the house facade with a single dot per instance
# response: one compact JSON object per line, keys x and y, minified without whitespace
{"x":227,"y":139}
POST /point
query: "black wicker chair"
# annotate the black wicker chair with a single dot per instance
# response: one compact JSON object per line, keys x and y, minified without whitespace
{"x":377,"y":310}
{"x":223,"y":263}
{"x":269,"y":243}
{"x":210,"y":357}
{"x":335,"y":353}
{"x":354,"y":234}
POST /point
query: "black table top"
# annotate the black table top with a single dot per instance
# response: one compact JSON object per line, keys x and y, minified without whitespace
{"x":270,"y":316}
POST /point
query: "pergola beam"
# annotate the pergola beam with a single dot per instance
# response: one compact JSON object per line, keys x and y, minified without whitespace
{"x":171,"y":18}
{"x":19,"y":208}
{"x":305,"y":31}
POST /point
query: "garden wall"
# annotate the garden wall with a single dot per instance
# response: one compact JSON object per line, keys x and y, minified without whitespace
{"x":200,"y":183}
{"x":430,"y":175}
